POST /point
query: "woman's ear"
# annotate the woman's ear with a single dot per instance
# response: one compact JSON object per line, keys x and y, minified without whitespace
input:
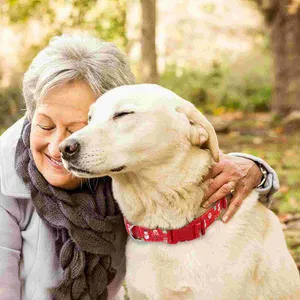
{"x":202,"y":133}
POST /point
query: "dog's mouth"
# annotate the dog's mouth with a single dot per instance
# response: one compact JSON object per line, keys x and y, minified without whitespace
{"x":82,"y":172}
{"x":78,"y":170}
{"x":118,"y":169}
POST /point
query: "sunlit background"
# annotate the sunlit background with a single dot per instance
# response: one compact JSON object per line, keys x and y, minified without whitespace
{"x":238,"y":61}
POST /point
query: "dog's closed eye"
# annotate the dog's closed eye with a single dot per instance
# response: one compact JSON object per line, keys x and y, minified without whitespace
{"x":122,"y":113}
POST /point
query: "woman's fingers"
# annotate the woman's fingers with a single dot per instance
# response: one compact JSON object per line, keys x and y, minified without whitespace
{"x":232,"y":175}
{"x":218,"y":189}
{"x":236,"y":201}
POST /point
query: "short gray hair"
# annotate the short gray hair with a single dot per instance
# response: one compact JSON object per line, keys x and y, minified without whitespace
{"x":75,"y":57}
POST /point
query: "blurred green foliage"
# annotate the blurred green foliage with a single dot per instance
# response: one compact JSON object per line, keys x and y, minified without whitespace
{"x":244,"y":85}
{"x":22,"y":11}
{"x":104,"y":19}
{"x":11,"y":104}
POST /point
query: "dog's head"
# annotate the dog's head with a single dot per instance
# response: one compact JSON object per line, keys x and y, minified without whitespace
{"x":132,"y":127}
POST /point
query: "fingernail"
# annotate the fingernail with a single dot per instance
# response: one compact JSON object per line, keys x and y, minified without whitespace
{"x":225,"y":219}
{"x":205,"y":205}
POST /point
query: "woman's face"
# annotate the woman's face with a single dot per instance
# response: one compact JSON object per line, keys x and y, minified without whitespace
{"x":63,"y":111}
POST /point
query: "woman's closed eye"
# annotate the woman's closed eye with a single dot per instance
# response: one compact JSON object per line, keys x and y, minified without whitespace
{"x":122,"y":113}
{"x":48,"y":128}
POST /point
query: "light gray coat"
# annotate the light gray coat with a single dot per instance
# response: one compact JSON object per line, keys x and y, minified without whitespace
{"x":29,"y":267}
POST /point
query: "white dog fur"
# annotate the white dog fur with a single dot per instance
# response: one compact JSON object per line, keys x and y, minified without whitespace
{"x":161,"y":143}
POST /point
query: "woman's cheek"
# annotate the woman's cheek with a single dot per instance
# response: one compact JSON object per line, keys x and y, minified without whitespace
{"x":38,"y":141}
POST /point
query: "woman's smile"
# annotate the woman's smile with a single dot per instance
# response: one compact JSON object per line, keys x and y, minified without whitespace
{"x":56,"y":163}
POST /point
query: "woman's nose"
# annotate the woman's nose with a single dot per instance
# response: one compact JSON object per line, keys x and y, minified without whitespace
{"x":53,"y":146}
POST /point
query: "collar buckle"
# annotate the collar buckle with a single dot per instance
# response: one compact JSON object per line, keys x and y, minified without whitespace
{"x":130,"y":227}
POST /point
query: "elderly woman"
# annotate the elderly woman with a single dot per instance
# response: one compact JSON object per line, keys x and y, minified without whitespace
{"x":61,"y":237}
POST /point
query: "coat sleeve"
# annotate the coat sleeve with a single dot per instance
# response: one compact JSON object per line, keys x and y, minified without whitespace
{"x":10,"y":248}
{"x":270,"y":186}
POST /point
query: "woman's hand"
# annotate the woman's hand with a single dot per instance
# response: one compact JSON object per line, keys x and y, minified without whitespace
{"x":232,"y":175}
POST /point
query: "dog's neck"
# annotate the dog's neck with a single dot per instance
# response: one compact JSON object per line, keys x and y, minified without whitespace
{"x":168,"y":195}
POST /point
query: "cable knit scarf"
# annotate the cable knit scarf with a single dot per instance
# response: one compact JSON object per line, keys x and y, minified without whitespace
{"x":84,"y":223}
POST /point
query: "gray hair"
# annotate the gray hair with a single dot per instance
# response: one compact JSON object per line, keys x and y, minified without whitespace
{"x":75,"y":57}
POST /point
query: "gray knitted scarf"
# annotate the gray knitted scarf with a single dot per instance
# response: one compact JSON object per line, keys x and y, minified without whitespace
{"x":84,"y":223}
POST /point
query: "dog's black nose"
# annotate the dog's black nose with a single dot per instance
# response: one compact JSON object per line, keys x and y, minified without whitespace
{"x":69,"y":148}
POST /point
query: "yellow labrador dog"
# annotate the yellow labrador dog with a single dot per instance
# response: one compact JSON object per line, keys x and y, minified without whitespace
{"x":157,"y":148}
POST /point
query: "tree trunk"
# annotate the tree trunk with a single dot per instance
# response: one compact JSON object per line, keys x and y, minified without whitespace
{"x":280,"y":58}
{"x":148,"y":67}
{"x":293,"y":61}
{"x":285,"y":40}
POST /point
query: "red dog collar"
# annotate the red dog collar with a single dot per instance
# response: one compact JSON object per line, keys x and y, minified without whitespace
{"x":187,"y":233}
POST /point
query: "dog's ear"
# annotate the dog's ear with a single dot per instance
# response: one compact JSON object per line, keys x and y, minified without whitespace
{"x":202,"y":133}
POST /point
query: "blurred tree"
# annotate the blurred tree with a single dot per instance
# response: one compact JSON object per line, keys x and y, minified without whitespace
{"x":283,"y":17}
{"x":148,"y":65}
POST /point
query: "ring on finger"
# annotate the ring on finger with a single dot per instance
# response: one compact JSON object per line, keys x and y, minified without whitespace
{"x":232,"y":189}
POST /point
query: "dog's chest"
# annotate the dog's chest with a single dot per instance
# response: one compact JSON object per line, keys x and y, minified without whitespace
{"x":205,"y":265}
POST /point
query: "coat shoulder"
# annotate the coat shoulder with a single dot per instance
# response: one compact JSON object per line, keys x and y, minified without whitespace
{"x":10,"y":183}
